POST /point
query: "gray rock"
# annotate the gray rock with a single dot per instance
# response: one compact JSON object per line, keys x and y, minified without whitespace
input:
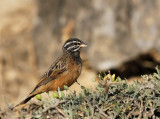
{"x":115,"y":31}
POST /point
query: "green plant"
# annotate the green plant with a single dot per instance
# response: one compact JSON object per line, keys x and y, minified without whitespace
{"x":138,"y":100}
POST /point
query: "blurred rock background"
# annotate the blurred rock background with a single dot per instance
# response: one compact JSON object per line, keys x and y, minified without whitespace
{"x":123,"y":36}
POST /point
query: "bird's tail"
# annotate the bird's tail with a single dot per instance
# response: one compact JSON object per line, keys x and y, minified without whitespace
{"x":29,"y":97}
{"x":25,"y":100}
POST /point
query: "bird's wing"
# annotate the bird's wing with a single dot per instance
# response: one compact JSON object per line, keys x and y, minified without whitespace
{"x":53,"y":72}
{"x":51,"y":75}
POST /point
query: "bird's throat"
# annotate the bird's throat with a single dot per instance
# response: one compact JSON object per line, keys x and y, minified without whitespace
{"x":76,"y":57}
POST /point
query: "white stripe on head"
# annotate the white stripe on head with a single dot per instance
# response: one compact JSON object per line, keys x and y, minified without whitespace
{"x":74,"y":41}
{"x":67,"y":44}
{"x":71,"y":47}
{"x":76,"y":49}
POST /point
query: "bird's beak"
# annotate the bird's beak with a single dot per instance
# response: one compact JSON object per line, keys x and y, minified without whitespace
{"x":83,"y":45}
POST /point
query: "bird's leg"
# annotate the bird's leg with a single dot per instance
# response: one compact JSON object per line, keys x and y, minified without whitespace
{"x":78,"y":83}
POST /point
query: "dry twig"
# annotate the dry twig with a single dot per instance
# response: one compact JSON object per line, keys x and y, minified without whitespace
{"x":91,"y":107}
{"x":101,"y":112}
{"x":54,"y":106}
{"x":61,"y":112}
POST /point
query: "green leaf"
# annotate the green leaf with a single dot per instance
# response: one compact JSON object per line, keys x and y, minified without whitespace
{"x":62,"y":94}
{"x":55,"y":94}
{"x":118,"y":79}
{"x":66,"y":87}
{"x":156,"y":75}
{"x":158,"y":70}
{"x":113,"y":77}
{"x":39,"y":97}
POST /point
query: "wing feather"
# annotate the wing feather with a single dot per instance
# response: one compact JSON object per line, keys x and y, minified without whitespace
{"x":53,"y":73}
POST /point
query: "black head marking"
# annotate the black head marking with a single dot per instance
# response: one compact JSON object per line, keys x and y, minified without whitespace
{"x":73,"y":45}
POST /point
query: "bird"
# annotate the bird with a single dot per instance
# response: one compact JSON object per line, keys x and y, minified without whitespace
{"x":65,"y":70}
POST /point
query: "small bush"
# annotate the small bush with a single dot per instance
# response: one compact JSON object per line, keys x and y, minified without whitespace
{"x":120,"y":101}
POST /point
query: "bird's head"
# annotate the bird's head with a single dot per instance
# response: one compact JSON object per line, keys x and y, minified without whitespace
{"x":73,"y":45}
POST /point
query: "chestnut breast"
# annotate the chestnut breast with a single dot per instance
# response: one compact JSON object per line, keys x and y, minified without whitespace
{"x":73,"y":70}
